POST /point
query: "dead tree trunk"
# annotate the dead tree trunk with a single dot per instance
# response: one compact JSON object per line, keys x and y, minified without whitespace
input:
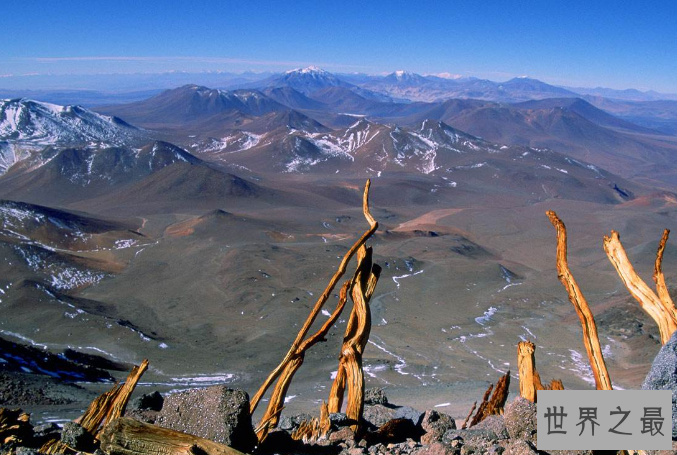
{"x":294,"y":357}
{"x":659,"y":306}
{"x":350,"y":374}
{"x":530,"y":380}
{"x":125,"y":436}
{"x":590,"y":338}
{"x":492,"y":404}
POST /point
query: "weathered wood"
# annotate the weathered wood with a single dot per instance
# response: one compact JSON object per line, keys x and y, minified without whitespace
{"x":125,"y":436}
{"x":527,"y":370}
{"x":271,"y":417}
{"x":310,"y":431}
{"x":530,"y":380}
{"x":659,"y":306}
{"x":480,"y":410}
{"x":102,"y":410}
{"x":293,"y":350}
{"x":350,"y":374}
{"x":467,"y":419}
{"x":590,"y":337}
{"x":659,"y":278}
{"x":14,"y":426}
{"x":556,"y":384}
{"x":499,"y":397}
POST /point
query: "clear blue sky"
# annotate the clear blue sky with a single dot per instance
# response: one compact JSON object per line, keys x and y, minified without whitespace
{"x":616,"y":44}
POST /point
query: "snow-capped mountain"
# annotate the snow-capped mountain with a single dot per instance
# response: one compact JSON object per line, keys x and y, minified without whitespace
{"x":313,"y":79}
{"x":27,"y":125}
{"x":428,"y":148}
{"x":159,"y":171}
{"x":402,"y":77}
{"x":193,"y":104}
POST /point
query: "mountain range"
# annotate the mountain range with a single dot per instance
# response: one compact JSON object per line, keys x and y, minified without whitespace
{"x":207,"y":219}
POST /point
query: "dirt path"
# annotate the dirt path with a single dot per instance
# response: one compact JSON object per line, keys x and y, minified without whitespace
{"x":426,"y":219}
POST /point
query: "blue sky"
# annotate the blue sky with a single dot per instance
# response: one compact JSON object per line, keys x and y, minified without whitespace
{"x":615,"y":44}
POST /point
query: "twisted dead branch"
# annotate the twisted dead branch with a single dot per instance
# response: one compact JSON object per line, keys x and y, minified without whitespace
{"x":590,"y":337}
{"x":293,"y":360}
{"x":467,"y":419}
{"x":659,"y":306}
{"x":350,"y":374}
{"x":530,"y":380}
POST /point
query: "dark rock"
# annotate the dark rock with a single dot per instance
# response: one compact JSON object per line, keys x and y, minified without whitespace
{"x":520,"y":419}
{"x":46,"y":429}
{"x":663,"y":376}
{"x":377,"y":415}
{"x":278,"y":441}
{"x":495,"y":423}
{"x":291,"y":423}
{"x":339,"y":419}
{"x":216,"y":413}
{"x":342,"y":435}
{"x":375,"y":396}
{"x":148,"y":402}
{"x":76,"y":437}
{"x":435,"y":424}
{"x":394,"y":431}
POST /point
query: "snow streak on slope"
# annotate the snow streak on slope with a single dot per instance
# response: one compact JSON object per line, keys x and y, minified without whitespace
{"x":27,"y":125}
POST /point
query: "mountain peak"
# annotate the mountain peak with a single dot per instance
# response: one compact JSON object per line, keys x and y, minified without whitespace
{"x":312,"y":69}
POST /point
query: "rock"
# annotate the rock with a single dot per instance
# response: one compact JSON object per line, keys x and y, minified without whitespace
{"x":377,"y":415}
{"x":342,"y":435}
{"x":216,"y":413}
{"x":76,"y":437}
{"x":435,"y":424}
{"x":520,"y":419}
{"x":47,"y":428}
{"x":495,"y":423}
{"x":663,"y":376}
{"x":375,"y":396}
{"x":473,"y":440}
{"x":291,"y":423}
{"x":339,"y":419}
{"x":436,"y":448}
{"x":519,"y":447}
{"x":148,"y":402}
{"x":26,"y":451}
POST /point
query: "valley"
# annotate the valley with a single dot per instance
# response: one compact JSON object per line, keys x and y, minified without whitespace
{"x":196,"y":228}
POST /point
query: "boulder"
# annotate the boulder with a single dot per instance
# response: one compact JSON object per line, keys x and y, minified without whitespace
{"x":76,"y":437}
{"x":216,"y":413}
{"x":378,"y":415}
{"x":435,"y":424}
{"x":343,"y":435}
{"x":291,"y":423}
{"x":520,"y":419}
{"x":663,"y":376}
{"x":375,"y":396}
{"x":340,"y":419}
{"x":148,"y":402}
{"x":495,"y":423}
